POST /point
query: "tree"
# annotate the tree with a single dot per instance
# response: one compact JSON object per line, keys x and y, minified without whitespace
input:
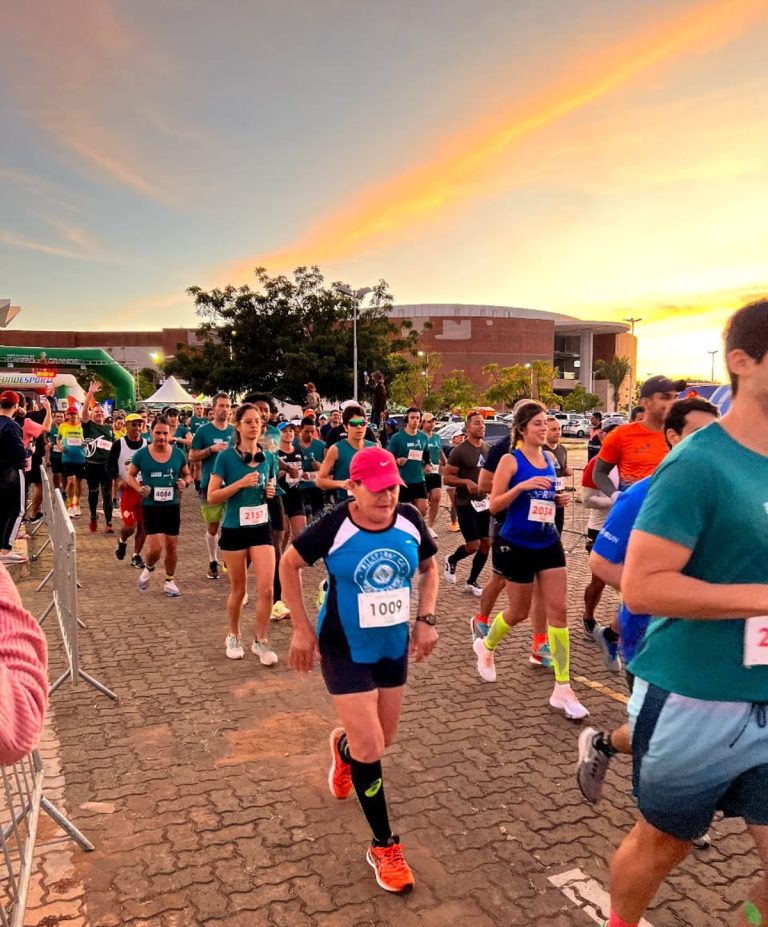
{"x":412,"y":386}
{"x":146,"y":382}
{"x":456,"y":391}
{"x":508,"y":384}
{"x":542,"y":375}
{"x":285,"y":332}
{"x":580,"y":400}
{"x":615,"y":371}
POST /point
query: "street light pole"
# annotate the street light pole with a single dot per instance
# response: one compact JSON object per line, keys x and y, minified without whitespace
{"x":712,"y":355}
{"x":631,"y":367}
{"x":357,"y":296}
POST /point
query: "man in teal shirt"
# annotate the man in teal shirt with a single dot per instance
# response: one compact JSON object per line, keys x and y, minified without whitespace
{"x":697,"y":562}
{"x":312,"y":451}
{"x":409,"y":448}
{"x":208,"y":441}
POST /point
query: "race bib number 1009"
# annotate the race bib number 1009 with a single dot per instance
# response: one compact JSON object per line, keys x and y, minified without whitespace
{"x":384,"y":609}
{"x":756,"y":641}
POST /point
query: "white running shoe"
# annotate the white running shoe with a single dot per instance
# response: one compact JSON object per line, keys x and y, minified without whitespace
{"x":563,"y":699}
{"x":432,"y":533}
{"x":245,"y":598}
{"x":474,"y":589}
{"x":171,"y":589}
{"x":235,"y":649}
{"x":485,"y":664}
{"x":262,"y":650}
{"x":142,"y":582}
{"x":280,"y":610}
{"x":449,"y":572}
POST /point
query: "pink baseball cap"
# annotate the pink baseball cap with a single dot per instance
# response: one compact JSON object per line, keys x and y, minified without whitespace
{"x":375,"y":468}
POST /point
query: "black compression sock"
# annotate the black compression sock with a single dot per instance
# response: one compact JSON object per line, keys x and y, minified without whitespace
{"x":589,"y":623}
{"x":459,"y":554}
{"x":369,"y":786}
{"x":611,"y":636}
{"x":344,"y":748}
{"x":478,"y":563}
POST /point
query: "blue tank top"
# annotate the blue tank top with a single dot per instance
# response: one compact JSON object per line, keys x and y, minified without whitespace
{"x":518,"y":527}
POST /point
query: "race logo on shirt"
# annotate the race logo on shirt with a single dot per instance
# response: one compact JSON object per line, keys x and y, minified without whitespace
{"x":381,"y":570}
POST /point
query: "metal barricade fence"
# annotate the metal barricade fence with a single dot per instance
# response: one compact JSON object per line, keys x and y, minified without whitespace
{"x":21,"y":801}
{"x":65,"y":585}
{"x":576,"y":514}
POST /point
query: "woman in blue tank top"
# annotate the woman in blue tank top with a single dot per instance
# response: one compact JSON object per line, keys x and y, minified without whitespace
{"x":528,"y":548}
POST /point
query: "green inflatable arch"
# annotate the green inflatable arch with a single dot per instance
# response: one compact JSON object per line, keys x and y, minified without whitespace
{"x":108,"y":369}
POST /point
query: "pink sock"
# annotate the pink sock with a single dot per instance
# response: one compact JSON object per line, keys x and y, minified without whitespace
{"x":615,"y":921}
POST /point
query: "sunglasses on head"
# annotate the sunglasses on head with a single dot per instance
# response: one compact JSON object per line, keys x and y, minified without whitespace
{"x":357,"y":422}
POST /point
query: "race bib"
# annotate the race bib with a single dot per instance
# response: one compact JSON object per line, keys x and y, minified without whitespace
{"x":560,"y":484}
{"x":75,"y":442}
{"x":542,"y":510}
{"x":384,"y":609}
{"x":756,"y":641}
{"x":103,"y":444}
{"x":415,"y":454}
{"x":309,"y":476}
{"x":251,"y":515}
{"x":480,"y":505}
{"x":162,"y":493}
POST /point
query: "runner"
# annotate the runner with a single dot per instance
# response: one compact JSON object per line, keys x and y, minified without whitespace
{"x":196,"y":421}
{"x":72,"y":444}
{"x":98,"y":443}
{"x":408,"y":447}
{"x":333,"y":422}
{"x":437,"y":461}
{"x":334,"y":471}
{"x":54,"y":452}
{"x":562,"y":470}
{"x":181,"y":436}
{"x":35,"y":424}
{"x":164,"y":474}
{"x":312,"y":451}
{"x":696,"y":562}
{"x":596,"y":435}
{"x":529,"y":547}
{"x":290,"y":481}
{"x":462,"y":471}
{"x":371,"y":546}
{"x":131,"y":509}
{"x":243,"y":480}
{"x":456,"y":440}
{"x":596,"y":748}
{"x":209,"y":440}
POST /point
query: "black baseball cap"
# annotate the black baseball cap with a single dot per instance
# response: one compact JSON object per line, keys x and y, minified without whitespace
{"x":661,"y":384}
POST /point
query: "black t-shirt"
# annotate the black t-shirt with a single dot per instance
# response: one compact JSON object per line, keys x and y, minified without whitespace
{"x":291,"y":458}
{"x":468,"y":459}
{"x":594,"y":444}
{"x":491,"y":464}
{"x":334,"y":435}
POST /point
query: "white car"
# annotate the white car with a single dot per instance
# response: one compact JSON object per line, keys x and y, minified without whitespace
{"x":576,"y":428}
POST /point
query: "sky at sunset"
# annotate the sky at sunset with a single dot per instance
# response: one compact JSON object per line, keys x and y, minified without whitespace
{"x":600,"y":158}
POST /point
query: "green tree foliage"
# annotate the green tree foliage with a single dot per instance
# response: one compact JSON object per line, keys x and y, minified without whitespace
{"x":413,"y":385}
{"x":542,"y":375}
{"x":456,"y":391}
{"x":615,"y":371}
{"x":580,"y":400}
{"x":510,"y":384}
{"x":146,"y":382}
{"x":286,"y":332}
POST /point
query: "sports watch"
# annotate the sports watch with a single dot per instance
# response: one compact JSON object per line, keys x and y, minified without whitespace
{"x":430,"y":619}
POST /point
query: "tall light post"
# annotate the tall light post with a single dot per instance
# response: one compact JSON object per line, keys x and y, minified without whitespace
{"x":712,"y":355}
{"x":631,"y":366}
{"x":357,"y":296}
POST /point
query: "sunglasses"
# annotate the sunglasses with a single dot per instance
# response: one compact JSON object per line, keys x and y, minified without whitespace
{"x":357,"y":422}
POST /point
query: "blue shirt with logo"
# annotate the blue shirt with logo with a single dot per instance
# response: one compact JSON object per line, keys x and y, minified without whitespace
{"x":360,"y":561}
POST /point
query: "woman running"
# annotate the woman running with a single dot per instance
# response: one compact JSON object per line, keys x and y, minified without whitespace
{"x":290,"y":481}
{"x":372,"y":546}
{"x":528,"y":547}
{"x":245,"y":477}
{"x":164,"y":474}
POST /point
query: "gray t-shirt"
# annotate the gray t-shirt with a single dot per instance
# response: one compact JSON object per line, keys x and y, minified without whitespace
{"x":468,"y":460}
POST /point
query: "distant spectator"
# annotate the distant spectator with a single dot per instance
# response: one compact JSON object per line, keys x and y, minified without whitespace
{"x":378,"y":397}
{"x":23,"y":675}
{"x":313,"y":398}
{"x":638,"y":414}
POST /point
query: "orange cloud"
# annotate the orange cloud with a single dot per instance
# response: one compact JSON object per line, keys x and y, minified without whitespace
{"x":464,"y":166}
{"x":76,"y":66}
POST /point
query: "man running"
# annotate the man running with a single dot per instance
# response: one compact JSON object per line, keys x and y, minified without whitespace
{"x":164,"y":475}
{"x":181,"y":436}
{"x":562,"y":470}
{"x":72,"y":444}
{"x":696,"y":563}
{"x":334,"y":471}
{"x":462,"y":471}
{"x":407,"y":447}
{"x":372,"y":546}
{"x":437,"y":461}
{"x":98,"y":443}
{"x":131,"y":510}
{"x":54,"y":451}
{"x":312,"y":451}
{"x":209,"y":440}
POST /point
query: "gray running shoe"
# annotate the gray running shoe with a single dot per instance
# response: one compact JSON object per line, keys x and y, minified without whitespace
{"x":591,"y":767}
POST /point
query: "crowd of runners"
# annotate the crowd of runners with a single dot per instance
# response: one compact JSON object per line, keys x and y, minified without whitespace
{"x":678,"y":522}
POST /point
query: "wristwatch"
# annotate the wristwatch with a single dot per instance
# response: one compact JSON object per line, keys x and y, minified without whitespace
{"x":430,"y":619}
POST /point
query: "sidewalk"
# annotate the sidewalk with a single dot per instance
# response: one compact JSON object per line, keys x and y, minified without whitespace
{"x":204,"y":788}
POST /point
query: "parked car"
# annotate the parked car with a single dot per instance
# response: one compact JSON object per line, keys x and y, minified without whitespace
{"x":495,"y":431}
{"x":576,"y":428}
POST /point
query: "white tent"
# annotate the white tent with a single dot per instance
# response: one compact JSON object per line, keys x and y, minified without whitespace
{"x":171,"y":393}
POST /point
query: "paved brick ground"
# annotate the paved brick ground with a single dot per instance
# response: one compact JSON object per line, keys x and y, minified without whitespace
{"x":204,"y":786}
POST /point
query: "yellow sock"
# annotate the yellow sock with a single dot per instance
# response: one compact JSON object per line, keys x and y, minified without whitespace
{"x":497,"y":632}
{"x":560,"y":646}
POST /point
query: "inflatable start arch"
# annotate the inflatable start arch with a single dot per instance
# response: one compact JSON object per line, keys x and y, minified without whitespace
{"x":108,"y":369}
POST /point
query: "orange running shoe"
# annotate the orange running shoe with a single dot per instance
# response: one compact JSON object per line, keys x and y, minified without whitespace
{"x":392,"y":872}
{"x":340,"y":774}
